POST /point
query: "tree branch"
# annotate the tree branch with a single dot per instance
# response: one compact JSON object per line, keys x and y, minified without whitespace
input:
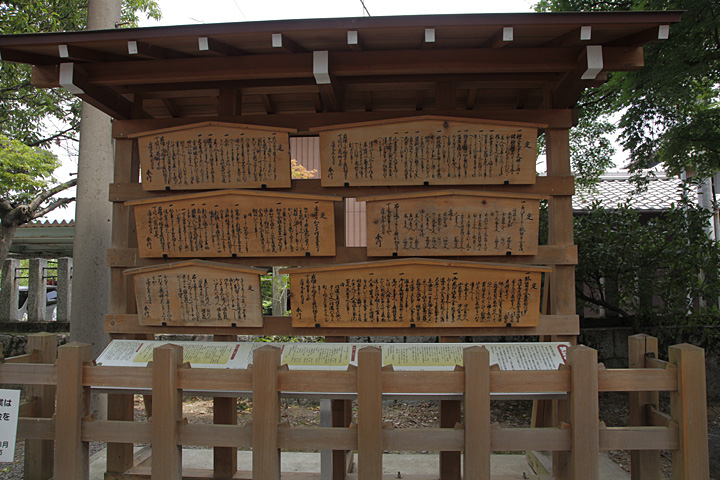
{"x":37,"y":201}
{"x":608,"y":306}
{"x":5,"y":207}
{"x":53,"y":137}
{"x":57,"y":203}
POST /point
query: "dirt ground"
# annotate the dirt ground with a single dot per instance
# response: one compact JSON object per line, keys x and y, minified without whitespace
{"x":418,"y":414}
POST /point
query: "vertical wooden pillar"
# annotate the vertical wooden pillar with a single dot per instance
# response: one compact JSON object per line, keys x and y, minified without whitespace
{"x":72,"y":460}
{"x":167,"y":414}
{"x":476,"y":361}
{"x":266,"y":414}
{"x":584,"y":457}
{"x":688,"y":407}
{"x":224,"y":413}
{"x":39,"y":453}
{"x":341,"y":409}
{"x":120,"y":406}
{"x":450,"y":414}
{"x":561,"y":281}
{"x":645,"y":464}
{"x":370,"y":447}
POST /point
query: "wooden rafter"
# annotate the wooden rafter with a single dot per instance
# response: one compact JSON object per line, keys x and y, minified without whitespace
{"x":74,"y":53}
{"x":147,"y":50}
{"x":212,"y":45}
{"x":74,"y":79}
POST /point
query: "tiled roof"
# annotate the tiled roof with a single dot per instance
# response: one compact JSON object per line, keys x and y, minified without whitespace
{"x":615,"y":189}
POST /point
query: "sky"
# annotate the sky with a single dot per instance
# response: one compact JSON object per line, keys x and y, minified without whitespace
{"x":179,"y":12}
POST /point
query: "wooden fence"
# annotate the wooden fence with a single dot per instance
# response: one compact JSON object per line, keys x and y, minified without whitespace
{"x":578,"y":437}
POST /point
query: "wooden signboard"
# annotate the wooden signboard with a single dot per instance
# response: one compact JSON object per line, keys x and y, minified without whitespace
{"x":241,"y":223}
{"x":415,"y":293}
{"x":428,"y":150}
{"x":452,"y":222}
{"x":215,"y":155}
{"x":198,"y":293}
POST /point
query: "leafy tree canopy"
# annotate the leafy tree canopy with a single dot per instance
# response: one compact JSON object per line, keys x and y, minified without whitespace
{"x":670,"y":111}
{"x":38,"y":117}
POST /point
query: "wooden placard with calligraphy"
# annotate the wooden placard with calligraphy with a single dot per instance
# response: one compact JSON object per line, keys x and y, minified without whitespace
{"x":242,"y":223}
{"x":416,"y":293}
{"x":428,"y":150}
{"x":452,"y":222}
{"x":212,"y":155}
{"x":198,"y":293}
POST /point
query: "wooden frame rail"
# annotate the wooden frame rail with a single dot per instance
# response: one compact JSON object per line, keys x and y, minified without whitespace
{"x":581,"y":439}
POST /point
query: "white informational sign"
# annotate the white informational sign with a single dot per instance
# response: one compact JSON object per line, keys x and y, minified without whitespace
{"x":338,"y":356}
{"x":9,"y":411}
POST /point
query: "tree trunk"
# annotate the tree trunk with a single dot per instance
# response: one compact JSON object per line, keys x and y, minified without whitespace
{"x":7,"y":233}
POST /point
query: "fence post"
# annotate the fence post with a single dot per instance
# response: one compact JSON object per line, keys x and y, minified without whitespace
{"x":688,"y":409}
{"x":584,"y":412}
{"x":37,"y":290}
{"x":266,"y":414}
{"x":73,"y":403}
{"x":645,"y":464}
{"x":64,"y":288}
{"x":225,"y":413}
{"x":476,"y":465}
{"x":167,"y":413}
{"x":9,"y":293}
{"x":370,"y":447}
{"x":39,"y":453}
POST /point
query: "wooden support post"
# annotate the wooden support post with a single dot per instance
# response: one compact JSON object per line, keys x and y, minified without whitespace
{"x":342,"y":460}
{"x":121,"y":406}
{"x":476,"y":361}
{"x":120,"y":455}
{"x":370,"y":447}
{"x":72,"y":459}
{"x":39,"y":453}
{"x":450,"y":414}
{"x":645,"y":464}
{"x":37,"y":290}
{"x":266,"y":414}
{"x":167,"y":414}
{"x":225,"y":413}
{"x":688,"y":407}
{"x":584,"y":457}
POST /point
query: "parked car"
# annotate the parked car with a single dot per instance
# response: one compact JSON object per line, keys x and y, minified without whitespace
{"x":50,"y":303}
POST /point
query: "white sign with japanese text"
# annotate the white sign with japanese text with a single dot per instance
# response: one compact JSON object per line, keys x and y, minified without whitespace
{"x":9,"y":410}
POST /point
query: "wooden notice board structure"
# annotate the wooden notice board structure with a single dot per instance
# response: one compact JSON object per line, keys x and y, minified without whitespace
{"x":433,"y":120}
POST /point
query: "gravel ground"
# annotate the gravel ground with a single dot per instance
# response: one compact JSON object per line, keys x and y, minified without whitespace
{"x":419,"y":414}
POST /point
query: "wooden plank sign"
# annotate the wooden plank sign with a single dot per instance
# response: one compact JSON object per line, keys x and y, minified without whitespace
{"x":241,"y":223}
{"x":453,"y":223}
{"x":215,"y":155}
{"x":428,"y":150}
{"x":415,"y":293}
{"x":198,"y":293}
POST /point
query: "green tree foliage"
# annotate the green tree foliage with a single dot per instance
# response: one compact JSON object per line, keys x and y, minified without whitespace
{"x":649,"y":272}
{"x":28,"y":114}
{"x":670,"y":111}
{"x":25,"y":194}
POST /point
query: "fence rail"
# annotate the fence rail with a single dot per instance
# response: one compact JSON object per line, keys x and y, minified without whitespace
{"x":579,"y":436}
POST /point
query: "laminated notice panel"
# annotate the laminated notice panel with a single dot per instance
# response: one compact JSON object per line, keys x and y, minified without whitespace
{"x":415,"y":293}
{"x":452,"y":223}
{"x":198,"y":293}
{"x":428,"y":150}
{"x":235,"y":223}
{"x":215,"y":155}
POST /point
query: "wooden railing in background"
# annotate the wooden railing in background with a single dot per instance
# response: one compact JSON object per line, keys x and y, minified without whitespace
{"x":581,"y":436}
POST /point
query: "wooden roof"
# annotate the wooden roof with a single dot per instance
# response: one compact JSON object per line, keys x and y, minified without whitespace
{"x":421,"y":64}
